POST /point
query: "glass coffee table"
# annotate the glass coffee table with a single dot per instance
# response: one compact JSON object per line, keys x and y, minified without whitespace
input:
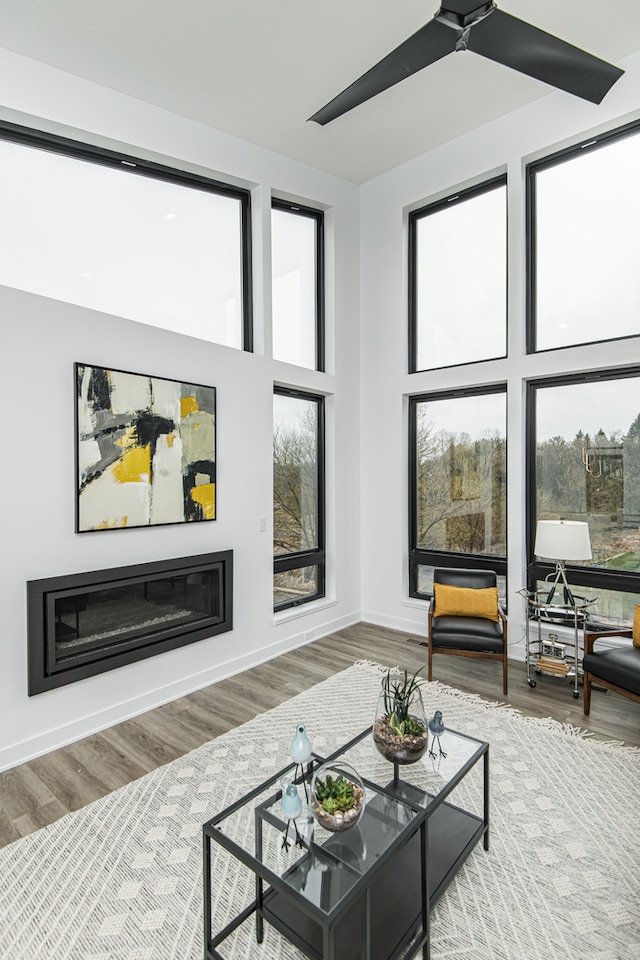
{"x":362,"y":894}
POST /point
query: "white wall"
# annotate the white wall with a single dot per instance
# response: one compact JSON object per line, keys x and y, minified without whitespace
{"x":506,"y":144}
{"x":42,"y":338}
{"x":367,"y":285}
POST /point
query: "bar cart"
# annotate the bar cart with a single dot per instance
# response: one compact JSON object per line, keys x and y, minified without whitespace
{"x":543,"y":655}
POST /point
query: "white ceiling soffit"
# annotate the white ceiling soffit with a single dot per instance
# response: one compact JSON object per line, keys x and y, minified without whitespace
{"x":257,"y":69}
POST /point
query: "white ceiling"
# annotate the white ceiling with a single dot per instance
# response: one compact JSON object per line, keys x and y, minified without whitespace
{"x":258,"y":68}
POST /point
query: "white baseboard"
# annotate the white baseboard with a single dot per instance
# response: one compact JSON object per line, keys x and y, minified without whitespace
{"x":417,"y":627}
{"x":62,"y":736}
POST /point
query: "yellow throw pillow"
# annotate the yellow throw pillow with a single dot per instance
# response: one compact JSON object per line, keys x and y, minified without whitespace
{"x":466,"y":602}
{"x":636,"y":626}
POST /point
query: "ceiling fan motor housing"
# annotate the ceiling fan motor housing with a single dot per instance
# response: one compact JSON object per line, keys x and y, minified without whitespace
{"x":461,"y":14}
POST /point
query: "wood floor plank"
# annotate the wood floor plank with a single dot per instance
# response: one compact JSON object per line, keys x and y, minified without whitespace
{"x":8,"y":830}
{"x":105,"y":762}
{"x":69,"y":783}
{"x":158,"y":736}
{"x":42,"y":817}
{"x":130,"y":738}
{"x":23,"y":791}
{"x":50,"y":786}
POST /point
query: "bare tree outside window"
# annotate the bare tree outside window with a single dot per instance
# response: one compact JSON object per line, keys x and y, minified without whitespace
{"x":460,"y":480}
{"x":587,"y":468}
{"x":295,"y":473}
{"x":298,"y":498}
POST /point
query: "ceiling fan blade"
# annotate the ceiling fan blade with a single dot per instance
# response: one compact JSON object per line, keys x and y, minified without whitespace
{"x":430,"y":43}
{"x":517,"y":44}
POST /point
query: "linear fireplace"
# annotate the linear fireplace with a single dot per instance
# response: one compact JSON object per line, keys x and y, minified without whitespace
{"x":87,"y":623}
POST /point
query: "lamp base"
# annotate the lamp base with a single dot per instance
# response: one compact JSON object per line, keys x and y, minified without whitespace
{"x":559,"y":583}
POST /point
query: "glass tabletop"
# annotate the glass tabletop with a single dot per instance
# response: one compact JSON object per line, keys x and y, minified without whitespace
{"x":322,"y":866}
{"x":426,"y":781}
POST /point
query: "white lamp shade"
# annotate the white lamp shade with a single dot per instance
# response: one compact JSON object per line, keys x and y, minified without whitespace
{"x":563,"y":540}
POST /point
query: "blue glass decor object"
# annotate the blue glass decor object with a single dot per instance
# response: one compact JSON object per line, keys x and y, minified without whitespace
{"x":300,"y":751}
{"x":436,"y":726}
{"x":300,"y":747}
{"x":291,"y":803}
{"x":291,"y":806}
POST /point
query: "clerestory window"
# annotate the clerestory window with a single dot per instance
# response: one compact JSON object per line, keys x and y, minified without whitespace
{"x":458,"y":278}
{"x":583,"y":210}
{"x":125,"y":236}
{"x":297,"y":279}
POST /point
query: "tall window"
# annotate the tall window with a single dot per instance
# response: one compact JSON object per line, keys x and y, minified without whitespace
{"x":298,"y":284}
{"x":298,"y":498}
{"x":584,"y":242}
{"x":458,"y":278}
{"x":124,"y":236}
{"x":585,"y":461}
{"x":458,"y":484}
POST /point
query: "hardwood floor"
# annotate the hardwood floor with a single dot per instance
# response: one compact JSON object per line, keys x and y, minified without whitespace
{"x":41,"y":791}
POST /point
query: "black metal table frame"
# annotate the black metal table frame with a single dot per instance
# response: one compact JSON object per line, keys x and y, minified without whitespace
{"x":417,"y":932}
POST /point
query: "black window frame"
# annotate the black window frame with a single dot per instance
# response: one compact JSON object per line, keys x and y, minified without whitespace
{"x":452,"y":199}
{"x":315,"y":557}
{"x":595,"y":578}
{"x":419,"y":556}
{"x":531,"y":170}
{"x":317,"y":216}
{"x":78,"y":150}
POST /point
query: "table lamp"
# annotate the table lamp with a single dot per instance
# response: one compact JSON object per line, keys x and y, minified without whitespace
{"x":562,"y":541}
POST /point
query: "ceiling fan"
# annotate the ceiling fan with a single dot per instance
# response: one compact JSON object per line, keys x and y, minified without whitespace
{"x":481,"y":28}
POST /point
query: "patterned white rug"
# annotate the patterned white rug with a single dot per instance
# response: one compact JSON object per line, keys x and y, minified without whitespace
{"x":121,"y":879}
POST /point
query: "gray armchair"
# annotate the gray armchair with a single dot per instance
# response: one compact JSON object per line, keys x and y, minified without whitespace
{"x":467,"y":636}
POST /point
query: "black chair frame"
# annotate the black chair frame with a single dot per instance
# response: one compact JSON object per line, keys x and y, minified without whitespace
{"x":474,"y":579}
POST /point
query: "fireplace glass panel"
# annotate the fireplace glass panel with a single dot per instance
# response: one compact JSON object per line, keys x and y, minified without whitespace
{"x":90,"y":620}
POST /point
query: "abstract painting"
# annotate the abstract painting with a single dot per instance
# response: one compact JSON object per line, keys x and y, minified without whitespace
{"x":145,"y":450}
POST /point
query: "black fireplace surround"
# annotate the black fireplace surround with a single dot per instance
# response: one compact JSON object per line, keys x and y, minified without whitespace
{"x":87,"y":623}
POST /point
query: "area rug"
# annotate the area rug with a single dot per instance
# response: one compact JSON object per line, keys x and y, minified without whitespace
{"x":121,"y":879}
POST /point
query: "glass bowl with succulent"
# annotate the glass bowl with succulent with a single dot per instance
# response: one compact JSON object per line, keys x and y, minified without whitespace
{"x":400,"y":730}
{"x":337,"y":796}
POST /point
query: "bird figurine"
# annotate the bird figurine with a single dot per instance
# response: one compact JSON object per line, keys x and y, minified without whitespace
{"x":291,"y":806}
{"x":300,"y":751}
{"x":436,"y":726}
{"x":300,"y":746}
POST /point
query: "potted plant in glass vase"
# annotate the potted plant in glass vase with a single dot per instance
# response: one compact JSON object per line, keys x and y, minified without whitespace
{"x":337,"y":796}
{"x":400,"y":730}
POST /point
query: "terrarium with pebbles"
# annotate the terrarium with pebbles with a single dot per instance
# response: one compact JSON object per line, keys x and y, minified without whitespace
{"x":400,"y":730}
{"x":337,"y":796}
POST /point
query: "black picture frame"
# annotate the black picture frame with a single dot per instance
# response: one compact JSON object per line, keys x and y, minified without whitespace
{"x":145,"y":450}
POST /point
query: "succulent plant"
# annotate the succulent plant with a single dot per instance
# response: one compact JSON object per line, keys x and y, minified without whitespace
{"x":335,"y":793}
